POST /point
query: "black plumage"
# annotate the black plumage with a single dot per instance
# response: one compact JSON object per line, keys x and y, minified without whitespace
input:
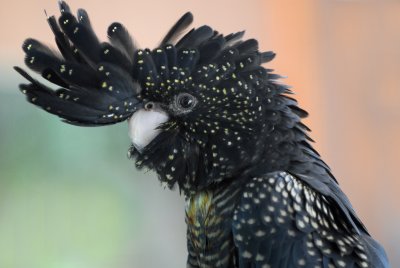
{"x":258,"y":194}
{"x":121,"y":40}
{"x":97,"y":87}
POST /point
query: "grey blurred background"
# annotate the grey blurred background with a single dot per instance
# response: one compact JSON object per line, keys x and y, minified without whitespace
{"x":70,"y":198}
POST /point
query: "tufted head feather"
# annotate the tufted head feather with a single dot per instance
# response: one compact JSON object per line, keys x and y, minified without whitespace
{"x":224,"y":114}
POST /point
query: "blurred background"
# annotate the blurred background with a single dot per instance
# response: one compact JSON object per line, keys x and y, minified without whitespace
{"x":70,"y":198}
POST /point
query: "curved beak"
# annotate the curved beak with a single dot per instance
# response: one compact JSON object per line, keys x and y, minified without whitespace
{"x":144,"y":126}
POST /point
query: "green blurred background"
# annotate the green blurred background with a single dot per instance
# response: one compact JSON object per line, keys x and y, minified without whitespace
{"x":70,"y":198}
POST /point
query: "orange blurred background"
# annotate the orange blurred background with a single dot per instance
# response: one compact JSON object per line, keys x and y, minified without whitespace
{"x":341,"y":57}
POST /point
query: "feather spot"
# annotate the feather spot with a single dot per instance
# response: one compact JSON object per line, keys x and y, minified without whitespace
{"x":246,"y":254}
{"x":259,"y":257}
{"x":301,"y":262}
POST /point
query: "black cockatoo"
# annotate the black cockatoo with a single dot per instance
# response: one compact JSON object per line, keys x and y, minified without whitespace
{"x":211,"y":120}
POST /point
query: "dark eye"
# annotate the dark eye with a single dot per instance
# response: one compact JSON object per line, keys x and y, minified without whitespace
{"x":184,"y":102}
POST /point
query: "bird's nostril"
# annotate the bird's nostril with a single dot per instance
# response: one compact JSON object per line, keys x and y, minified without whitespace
{"x":149,"y":106}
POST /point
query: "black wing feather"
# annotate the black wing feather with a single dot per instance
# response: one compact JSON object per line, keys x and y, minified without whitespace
{"x":82,"y":36}
{"x":177,"y":29}
{"x":64,"y":7}
{"x":297,"y":227}
{"x":195,"y":37}
{"x":121,"y":39}
{"x":97,"y":87}
{"x":113,"y":55}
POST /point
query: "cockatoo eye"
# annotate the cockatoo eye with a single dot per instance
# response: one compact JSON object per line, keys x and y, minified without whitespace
{"x":183,"y":103}
{"x":186,"y":101}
